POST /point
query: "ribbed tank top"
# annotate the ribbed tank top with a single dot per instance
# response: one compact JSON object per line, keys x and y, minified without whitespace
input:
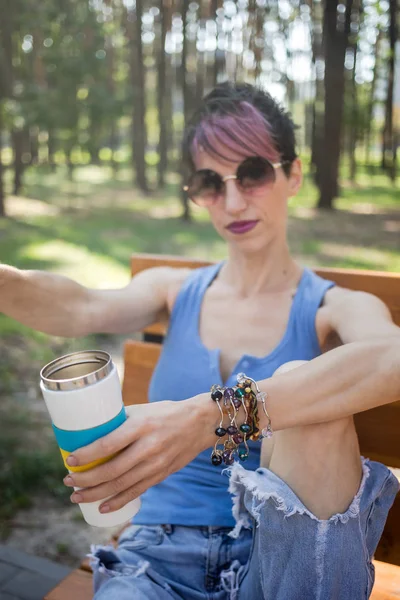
{"x":198,"y":493}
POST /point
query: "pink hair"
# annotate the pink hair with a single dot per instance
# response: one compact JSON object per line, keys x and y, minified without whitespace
{"x":234,"y":137}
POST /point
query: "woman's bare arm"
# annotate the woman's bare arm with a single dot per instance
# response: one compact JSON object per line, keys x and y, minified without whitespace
{"x":361,"y":374}
{"x":60,"y":306}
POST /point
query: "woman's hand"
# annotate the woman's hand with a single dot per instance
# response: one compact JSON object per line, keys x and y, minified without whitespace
{"x":156,"y":440}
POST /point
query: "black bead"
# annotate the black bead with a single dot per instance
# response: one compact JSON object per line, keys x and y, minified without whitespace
{"x":217,"y":395}
{"x":245,"y":428}
{"x":216,"y":459}
{"x":232,"y":430}
{"x":220,"y":432}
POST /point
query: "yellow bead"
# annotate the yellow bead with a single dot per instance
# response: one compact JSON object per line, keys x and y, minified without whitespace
{"x":247,"y":390}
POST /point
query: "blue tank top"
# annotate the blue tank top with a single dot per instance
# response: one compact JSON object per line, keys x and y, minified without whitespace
{"x":198,"y":493}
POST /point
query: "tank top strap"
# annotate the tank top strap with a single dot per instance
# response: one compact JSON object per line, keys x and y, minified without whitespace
{"x":186,"y":310}
{"x":311,"y":296}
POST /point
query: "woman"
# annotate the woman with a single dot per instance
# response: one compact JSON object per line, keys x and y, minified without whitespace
{"x":305,"y":524}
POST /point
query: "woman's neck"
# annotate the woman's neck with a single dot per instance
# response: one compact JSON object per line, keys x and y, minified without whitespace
{"x":271,"y":271}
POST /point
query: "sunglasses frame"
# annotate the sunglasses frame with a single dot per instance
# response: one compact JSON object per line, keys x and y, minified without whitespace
{"x":225,"y":178}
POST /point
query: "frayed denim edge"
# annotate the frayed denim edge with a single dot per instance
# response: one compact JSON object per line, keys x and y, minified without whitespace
{"x":97,"y":564}
{"x":242,"y":480}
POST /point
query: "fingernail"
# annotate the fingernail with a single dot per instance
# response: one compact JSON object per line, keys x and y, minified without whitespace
{"x":105,"y":508}
{"x":68,"y":480}
{"x":76,"y":498}
{"x":72,"y":461}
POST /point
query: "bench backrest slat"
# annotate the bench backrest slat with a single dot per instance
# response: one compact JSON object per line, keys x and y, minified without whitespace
{"x":377,"y":428}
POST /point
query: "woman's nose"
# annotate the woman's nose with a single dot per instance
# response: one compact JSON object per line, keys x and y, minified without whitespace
{"x":234,"y":200}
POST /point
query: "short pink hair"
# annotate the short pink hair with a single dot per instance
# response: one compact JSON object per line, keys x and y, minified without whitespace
{"x":234,"y":137}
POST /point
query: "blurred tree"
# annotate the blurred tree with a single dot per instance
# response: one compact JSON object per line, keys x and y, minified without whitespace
{"x":372,"y":93}
{"x":336,"y":35}
{"x":6,"y":81}
{"x":163,"y":90}
{"x":186,"y":100}
{"x":355,"y":23}
{"x":389,"y":145}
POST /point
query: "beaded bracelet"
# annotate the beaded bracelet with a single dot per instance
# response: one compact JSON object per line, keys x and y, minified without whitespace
{"x":234,"y":398}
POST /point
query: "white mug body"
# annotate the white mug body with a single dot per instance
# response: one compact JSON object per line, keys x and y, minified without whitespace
{"x":83,"y":395}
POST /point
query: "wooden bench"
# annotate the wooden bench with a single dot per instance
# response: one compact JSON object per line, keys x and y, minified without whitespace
{"x":378,"y":429}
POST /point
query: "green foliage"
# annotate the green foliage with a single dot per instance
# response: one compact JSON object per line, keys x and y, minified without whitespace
{"x":25,"y":470}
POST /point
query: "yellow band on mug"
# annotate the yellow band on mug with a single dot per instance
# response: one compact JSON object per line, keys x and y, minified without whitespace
{"x":90,"y":465}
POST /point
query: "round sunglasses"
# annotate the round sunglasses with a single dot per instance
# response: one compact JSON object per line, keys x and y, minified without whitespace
{"x":206,"y":186}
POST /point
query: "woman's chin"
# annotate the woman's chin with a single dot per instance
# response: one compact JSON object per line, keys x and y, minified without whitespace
{"x":249,"y":244}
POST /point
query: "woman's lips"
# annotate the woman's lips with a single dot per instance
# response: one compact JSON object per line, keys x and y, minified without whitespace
{"x":241,"y":226}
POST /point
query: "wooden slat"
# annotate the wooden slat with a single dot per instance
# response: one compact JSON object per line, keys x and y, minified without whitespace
{"x":389,"y":545}
{"x":384,"y":285}
{"x":139,"y":359}
{"x":378,"y":433}
{"x":76,"y":586}
{"x":387,"y":582}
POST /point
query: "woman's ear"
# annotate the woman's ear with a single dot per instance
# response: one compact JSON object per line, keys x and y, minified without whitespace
{"x":295,"y":177}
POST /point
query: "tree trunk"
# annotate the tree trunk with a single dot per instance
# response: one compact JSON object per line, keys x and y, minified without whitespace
{"x":186,"y":101}
{"x":70,"y":164}
{"x":113,"y":127}
{"x":18,"y":147}
{"x":139,"y":96}
{"x":318,"y":105}
{"x":2,"y":190}
{"x":113,"y":145}
{"x":336,"y":40}
{"x":6,"y":78}
{"x":353,"y":89}
{"x":393,"y":34}
{"x":163,"y":94}
{"x":34,"y":145}
{"x":372,"y":98}
{"x":51,"y":149}
{"x":388,"y":133}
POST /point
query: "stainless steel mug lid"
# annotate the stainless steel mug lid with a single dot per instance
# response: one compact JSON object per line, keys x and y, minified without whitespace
{"x":76,"y":370}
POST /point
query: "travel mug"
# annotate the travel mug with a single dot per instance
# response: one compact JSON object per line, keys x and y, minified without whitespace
{"x":83,"y":395}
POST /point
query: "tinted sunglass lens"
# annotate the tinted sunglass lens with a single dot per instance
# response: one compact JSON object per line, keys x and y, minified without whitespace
{"x":255,"y":171}
{"x":205,"y":187}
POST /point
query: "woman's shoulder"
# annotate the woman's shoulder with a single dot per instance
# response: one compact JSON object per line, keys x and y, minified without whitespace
{"x":177,"y":277}
{"x":180,"y":278}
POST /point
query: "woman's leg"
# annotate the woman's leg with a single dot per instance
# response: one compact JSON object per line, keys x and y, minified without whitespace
{"x":320,"y":463}
{"x":320,"y":513}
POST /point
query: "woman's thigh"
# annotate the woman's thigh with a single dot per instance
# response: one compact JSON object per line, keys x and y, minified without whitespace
{"x":295,"y":554}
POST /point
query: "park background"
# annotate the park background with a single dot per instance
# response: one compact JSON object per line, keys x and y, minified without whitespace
{"x":94,"y":96}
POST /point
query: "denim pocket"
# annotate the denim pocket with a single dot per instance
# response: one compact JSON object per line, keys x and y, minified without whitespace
{"x":138,"y":537}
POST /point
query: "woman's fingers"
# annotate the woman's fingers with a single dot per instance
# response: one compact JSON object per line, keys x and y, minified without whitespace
{"x":118,"y":486}
{"x":130,"y":494}
{"x":125,"y":461}
{"x":115,"y":441}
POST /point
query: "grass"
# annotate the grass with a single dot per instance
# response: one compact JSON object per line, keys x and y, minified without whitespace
{"x":87,"y":229}
{"x":25,"y":470}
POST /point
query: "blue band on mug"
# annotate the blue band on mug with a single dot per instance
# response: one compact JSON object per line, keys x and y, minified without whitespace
{"x":72,"y":440}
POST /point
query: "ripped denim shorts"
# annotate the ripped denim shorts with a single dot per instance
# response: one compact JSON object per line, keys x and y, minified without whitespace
{"x":278,"y":549}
